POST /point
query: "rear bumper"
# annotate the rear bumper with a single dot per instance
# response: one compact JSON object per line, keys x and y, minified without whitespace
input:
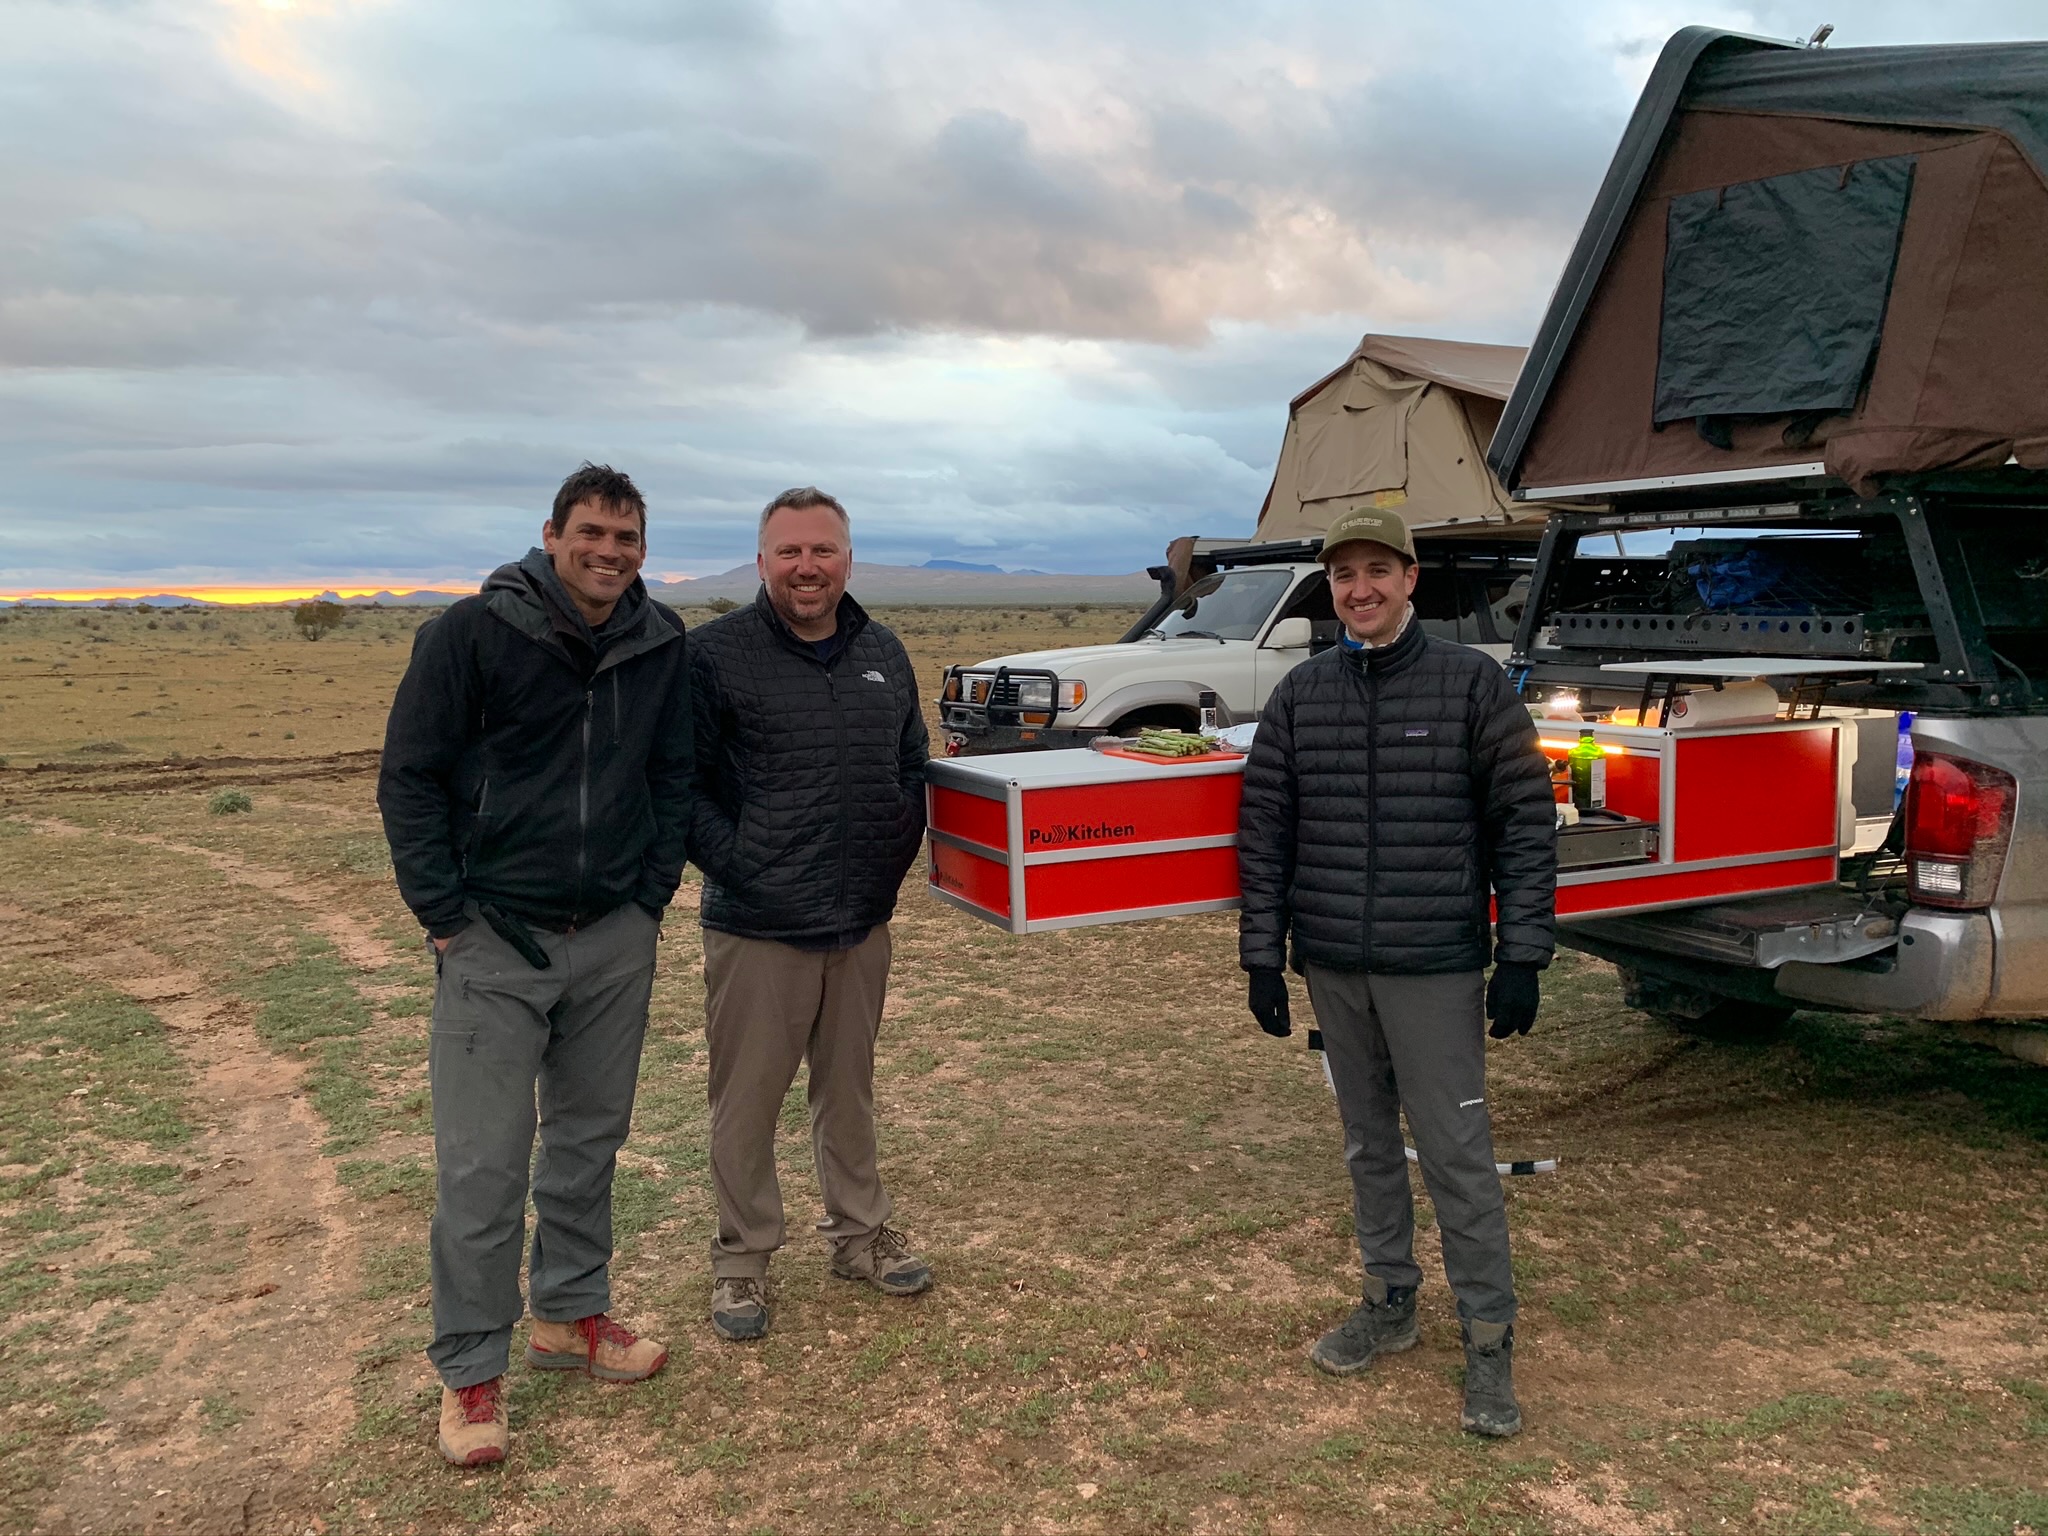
{"x":1822,"y":948}
{"x":1941,"y":968}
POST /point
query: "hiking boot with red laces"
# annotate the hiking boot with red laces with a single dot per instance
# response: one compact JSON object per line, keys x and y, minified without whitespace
{"x":474,"y":1429}
{"x":885,"y":1262}
{"x":594,"y":1344}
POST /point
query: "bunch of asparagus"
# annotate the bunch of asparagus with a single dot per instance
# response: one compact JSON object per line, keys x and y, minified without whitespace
{"x":1161,"y":742}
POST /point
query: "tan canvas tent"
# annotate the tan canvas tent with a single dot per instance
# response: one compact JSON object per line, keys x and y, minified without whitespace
{"x":1404,"y":423}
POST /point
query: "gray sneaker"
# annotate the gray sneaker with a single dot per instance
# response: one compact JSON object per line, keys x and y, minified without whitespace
{"x":885,"y":1262}
{"x":1384,"y":1324}
{"x":739,"y":1307}
{"x":1490,"y":1406}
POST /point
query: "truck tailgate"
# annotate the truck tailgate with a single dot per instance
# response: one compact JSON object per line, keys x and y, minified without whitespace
{"x":1822,"y":927}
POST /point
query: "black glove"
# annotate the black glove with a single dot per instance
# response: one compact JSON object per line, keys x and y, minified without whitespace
{"x":1511,"y":999}
{"x":1269,"y":1002}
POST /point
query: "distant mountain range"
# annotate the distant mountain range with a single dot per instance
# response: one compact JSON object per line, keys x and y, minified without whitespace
{"x":936,"y":581}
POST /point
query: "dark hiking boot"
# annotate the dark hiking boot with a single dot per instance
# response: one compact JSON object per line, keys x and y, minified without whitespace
{"x":596,"y":1345}
{"x":474,"y":1429}
{"x":1490,"y":1406}
{"x":1384,"y":1324}
{"x":739,"y":1308}
{"x":885,"y":1262}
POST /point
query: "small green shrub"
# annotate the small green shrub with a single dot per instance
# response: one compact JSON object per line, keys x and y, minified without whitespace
{"x":230,"y":802}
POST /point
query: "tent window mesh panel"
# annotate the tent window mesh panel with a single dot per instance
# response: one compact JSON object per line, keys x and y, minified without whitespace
{"x":1775,"y":291}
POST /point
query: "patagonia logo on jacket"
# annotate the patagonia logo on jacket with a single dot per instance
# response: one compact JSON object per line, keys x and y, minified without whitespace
{"x":1422,"y":730}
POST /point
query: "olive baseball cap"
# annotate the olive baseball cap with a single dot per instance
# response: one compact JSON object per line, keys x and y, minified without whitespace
{"x":1379,"y":524}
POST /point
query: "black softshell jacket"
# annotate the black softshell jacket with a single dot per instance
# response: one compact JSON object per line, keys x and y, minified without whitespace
{"x":1386,"y":796}
{"x":810,"y":777}
{"x":528,"y":765}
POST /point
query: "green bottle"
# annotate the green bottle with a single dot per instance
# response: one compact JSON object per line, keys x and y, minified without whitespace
{"x":1589,"y":772}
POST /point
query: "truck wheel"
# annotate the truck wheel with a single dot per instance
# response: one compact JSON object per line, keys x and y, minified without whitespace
{"x":1693,"y":1011}
{"x":1165,"y":716}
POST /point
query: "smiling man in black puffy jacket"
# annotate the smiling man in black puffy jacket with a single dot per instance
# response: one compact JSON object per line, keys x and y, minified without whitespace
{"x":536,"y":790}
{"x":1395,"y":791}
{"x":810,"y":809}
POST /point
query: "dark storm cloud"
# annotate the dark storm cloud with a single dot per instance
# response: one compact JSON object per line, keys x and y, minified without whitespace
{"x":301,"y":282}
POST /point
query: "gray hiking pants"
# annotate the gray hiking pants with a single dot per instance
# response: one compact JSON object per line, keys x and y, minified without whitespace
{"x":1418,"y":1043}
{"x":503,"y":1030}
{"x":768,"y":1008}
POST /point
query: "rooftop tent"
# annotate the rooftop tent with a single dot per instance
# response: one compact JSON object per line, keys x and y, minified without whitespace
{"x":1802,"y":261}
{"x":1403,"y":423}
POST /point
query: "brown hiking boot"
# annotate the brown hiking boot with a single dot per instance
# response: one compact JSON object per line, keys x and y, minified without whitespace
{"x":739,"y":1308}
{"x":474,"y":1429}
{"x":594,"y":1344}
{"x":885,"y":1262}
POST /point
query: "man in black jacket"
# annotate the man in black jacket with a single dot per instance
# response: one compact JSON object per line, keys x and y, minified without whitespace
{"x":1394,"y":791}
{"x":536,"y":791}
{"x":810,"y":810}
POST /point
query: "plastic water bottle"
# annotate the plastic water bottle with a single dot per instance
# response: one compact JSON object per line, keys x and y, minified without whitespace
{"x":1589,"y":772}
{"x":1904,"y":771}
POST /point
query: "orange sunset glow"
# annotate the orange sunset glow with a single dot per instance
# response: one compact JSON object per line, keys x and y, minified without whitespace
{"x":225,"y":595}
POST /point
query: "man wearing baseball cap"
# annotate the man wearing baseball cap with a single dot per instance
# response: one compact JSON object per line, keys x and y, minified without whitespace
{"x":1397,"y":823}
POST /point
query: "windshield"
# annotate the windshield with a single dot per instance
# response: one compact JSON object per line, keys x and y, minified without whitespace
{"x":1231,"y":605}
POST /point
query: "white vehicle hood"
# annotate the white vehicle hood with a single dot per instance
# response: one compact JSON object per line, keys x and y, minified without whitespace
{"x":1075,"y":659}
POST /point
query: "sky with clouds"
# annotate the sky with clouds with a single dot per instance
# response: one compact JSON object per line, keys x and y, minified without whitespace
{"x":324,"y":290}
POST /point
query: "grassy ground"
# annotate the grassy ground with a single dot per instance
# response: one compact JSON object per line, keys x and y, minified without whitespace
{"x":1794,"y":1287}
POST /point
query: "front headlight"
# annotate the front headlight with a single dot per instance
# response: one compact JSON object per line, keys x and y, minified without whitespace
{"x":1073,"y":695}
{"x":1034,"y":693}
{"x":977,"y":689}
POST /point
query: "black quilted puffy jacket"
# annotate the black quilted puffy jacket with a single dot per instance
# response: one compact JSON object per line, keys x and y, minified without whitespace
{"x":1387,"y":795}
{"x":810,"y":778}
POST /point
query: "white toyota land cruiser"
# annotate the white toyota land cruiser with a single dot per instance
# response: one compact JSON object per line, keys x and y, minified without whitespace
{"x":1230,"y":623}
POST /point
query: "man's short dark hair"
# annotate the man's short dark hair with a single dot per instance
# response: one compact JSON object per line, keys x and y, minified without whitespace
{"x":611,"y":490}
{"x":801,"y":498}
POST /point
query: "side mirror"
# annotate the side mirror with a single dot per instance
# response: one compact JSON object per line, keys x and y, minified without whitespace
{"x":1289,"y":635}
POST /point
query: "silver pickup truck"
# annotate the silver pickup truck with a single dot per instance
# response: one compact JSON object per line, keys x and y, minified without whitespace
{"x":1946,"y":916}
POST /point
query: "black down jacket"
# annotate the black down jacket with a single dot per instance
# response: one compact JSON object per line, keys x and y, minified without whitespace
{"x":810,"y":793}
{"x":535,"y":765}
{"x":1388,"y":791}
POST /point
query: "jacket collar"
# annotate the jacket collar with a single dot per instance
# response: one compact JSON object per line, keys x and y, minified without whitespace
{"x":527,"y":595}
{"x":852,"y":619}
{"x":1396,"y":655}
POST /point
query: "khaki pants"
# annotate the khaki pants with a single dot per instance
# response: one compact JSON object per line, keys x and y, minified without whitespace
{"x":767,"y":1008}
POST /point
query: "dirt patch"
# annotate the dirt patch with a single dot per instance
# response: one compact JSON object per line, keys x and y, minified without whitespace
{"x":357,"y":944}
{"x":272,"y":1342}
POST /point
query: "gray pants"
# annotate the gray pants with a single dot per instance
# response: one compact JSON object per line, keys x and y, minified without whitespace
{"x":501,"y":1029}
{"x":769,"y":1007}
{"x":1418,"y":1043}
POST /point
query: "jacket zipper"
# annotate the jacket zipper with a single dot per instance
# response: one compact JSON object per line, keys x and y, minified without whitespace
{"x":476,"y":823}
{"x":583,"y":809}
{"x":845,"y":810}
{"x":1372,"y":838}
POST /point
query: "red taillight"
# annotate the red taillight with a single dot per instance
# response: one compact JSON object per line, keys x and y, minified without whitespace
{"x":1958,"y":822}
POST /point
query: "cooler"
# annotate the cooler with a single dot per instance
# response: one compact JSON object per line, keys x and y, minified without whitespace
{"x":1040,"y":840}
